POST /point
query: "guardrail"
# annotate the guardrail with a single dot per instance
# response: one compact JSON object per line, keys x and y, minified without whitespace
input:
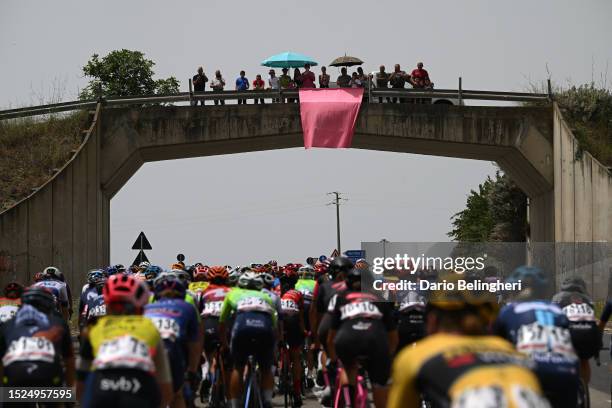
{"x":372,"y":93}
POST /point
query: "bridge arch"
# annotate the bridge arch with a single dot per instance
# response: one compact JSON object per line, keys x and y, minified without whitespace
{"x":66,"y":221}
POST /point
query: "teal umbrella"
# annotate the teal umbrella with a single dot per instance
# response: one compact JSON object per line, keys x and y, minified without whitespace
{"x":288,"y":60}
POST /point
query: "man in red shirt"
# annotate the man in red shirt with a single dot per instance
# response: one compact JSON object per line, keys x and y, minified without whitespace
{"x":259,"y":85}
{"x":308,"y":78}
{"x":420,"y":77}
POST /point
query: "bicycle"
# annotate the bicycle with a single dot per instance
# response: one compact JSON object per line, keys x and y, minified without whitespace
{"x":286,"y":377}
{"x":217,"y":397}
{"x":252,"y":395}
{"x":342,"y":397}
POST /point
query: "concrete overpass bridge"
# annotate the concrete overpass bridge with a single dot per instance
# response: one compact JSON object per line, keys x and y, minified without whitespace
{"x":65,"y":222}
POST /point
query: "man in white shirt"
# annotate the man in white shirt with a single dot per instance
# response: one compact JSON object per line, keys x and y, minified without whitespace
{"x":273,"y":82}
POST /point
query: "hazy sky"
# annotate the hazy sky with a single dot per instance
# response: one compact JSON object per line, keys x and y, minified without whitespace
{"x":256,"y":206}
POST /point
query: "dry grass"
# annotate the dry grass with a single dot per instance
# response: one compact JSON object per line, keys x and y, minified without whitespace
{"x":31,"y":148}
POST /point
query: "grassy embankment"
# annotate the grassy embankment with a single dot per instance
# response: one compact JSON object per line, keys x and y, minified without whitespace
{"x":30,"y":150}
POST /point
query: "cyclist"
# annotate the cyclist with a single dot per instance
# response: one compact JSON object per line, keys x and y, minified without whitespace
{"x":410,"y":313}
{"x":150,"y":274}
{"x":253,"y":333}
{"x":457,"y":364}
{"x":603,"y":320}
{"x":211,"y":302}
{"x":123,"y":360}
{"x":11,"y":301}
{"x":51,"y":280}
{"x":92,"y":300}
{"x":577,"y":305}
{"x":199,"y":283}
{"x":305,"y":285}
{"x":35,"y":345}
{"x":179,"y":328}
{"x":540,"y":330}
{"x":292,"y":312}
{"x":362,"y":328}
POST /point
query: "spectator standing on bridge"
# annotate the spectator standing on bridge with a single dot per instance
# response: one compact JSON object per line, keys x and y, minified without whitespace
{"x":420,"y":77}
{"x":285,"y":80}
{"x":259,"y":85}
{"x":356,"y":81}
{"x":199,"y":82}
{"x":242,"y":84}
{"x":274,"y":84}
{"x":217,"y":85}
{"x":344,"y":80}
{"x":382,"y":81}
{"x":398,"y":80}
{"x":324,"y":78}
{"x":308,"y":78}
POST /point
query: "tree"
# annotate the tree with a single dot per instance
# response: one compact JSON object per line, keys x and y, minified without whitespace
{"x":123,"y":73}
{"x":496,"y":212}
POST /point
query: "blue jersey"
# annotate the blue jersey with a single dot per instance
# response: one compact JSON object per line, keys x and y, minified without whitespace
{"x":177,"y":323}
{"x":541,"y":330}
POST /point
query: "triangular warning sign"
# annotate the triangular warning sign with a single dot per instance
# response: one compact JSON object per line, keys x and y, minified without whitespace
{"x":142,"y":242}
{"x":140,"y":258}
{"x":334,"y":254}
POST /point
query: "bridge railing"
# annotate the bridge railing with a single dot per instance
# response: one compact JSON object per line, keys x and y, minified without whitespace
{"x":113,"y":101}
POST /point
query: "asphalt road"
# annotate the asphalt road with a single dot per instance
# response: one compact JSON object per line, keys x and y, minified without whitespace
{"x":601,"y":377}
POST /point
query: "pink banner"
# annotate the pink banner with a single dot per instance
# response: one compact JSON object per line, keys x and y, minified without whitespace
{"x":329,"y":116}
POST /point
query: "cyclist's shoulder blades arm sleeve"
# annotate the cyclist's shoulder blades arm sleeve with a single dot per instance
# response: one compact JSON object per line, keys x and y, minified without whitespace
{"x":226,"y":308}
{"x":605,"y":314}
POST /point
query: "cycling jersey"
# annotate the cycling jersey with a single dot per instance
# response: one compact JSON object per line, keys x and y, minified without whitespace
{"x":177,"y":323}
{"x":541,"y":331}
{"x":8,"y":308}
{"x":306,"y":287}
{"x":322,"y":294}
{"x":196,"y":289}
{"x":579,"y":310}
{"x":210,"y":306}
{"x":292,"y":306}
{"x":57,"y":288}
{"x":33,"y":346}
{"x":253,"y":329}
{"x":361,"y":322}
{"x":410,"y":317}
{"x":464,"y":371}
{"x":94,"y":308}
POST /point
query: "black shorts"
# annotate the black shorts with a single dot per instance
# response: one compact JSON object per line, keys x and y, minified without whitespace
{"x":323,"y":330}
{"x":211,"y":334}
{"x":369,"y":346}
{"x":559,"y":383}
{"x":33,"y":374}
{"x":294,"y":336}
{"x":410,"y":328}
{"x":253,"y":334}
{"x":586,"y":338}
{"x":121,"y":388}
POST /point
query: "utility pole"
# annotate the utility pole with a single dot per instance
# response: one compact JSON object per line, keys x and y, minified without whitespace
{"x":336,"y":201}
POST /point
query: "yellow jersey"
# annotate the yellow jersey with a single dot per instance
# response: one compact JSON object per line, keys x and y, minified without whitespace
{"x":464,"y":371}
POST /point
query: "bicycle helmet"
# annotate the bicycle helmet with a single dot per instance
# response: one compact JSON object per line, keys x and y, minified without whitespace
{"x":111,"y":270}
{"x":182,"y":275}
{"x":339,"y":264}
{"x":120,"y":268}
{"x":235,"y":273}
{"x":268,"y":279}
{"x":121,"y":290}
{"x":169,"y":286}
{"x":530,"y":276}
{"x":217,"y":274}
{"x":152,"y":272}
{"x":306,"y":272}
{"x":178,"y":266}
{"x":483,"y":303}
{"x":39,"y":297}
{"x":51,"y":272}
{"x":13,"y":290}
{"x":200,"y":273}
{"x":250,"y":280}
{"x":95,"y":275}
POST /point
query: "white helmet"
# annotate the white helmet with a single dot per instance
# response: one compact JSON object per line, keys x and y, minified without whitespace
{"x":306,"y":272}
{"x":268,"y":278}
{"x":182,"y":275}
{"x":250,"y":280}
{"x":53,"y":273}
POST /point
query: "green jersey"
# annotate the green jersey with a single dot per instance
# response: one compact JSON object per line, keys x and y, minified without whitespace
{"x":306,"y":287}
{"x":240,"y":300}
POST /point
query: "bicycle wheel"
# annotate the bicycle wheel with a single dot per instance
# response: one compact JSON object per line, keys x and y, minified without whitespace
{"x":217,"y":395}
